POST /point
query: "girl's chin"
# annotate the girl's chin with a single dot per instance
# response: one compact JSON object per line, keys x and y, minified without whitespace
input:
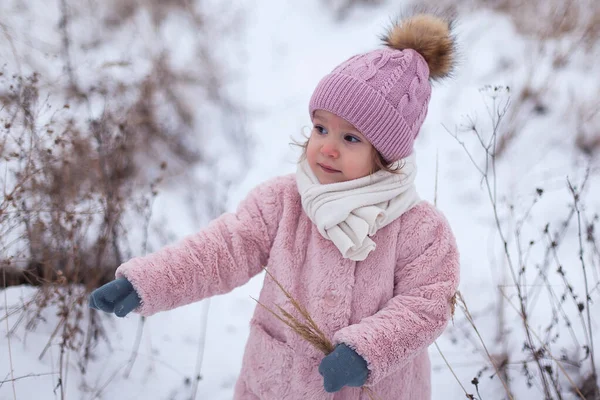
{"x":325,"y":179}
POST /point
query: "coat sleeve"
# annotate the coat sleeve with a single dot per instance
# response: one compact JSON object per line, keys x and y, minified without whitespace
{"x":426,"y":278}
{"x":226,"y":254}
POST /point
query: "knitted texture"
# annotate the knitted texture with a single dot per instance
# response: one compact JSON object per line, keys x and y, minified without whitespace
{"x":383,"y":93}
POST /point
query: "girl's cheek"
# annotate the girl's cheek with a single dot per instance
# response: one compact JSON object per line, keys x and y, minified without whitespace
{"x":310,"y":151}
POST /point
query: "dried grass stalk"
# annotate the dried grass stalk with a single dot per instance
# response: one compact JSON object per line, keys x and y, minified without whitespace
{"x":307,"y":329}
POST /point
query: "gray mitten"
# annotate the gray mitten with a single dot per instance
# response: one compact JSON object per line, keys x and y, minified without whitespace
{"x":117,"y":297}
{"x":343,"y":367}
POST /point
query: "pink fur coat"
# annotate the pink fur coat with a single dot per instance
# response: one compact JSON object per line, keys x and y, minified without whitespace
{"x":389,"y":307}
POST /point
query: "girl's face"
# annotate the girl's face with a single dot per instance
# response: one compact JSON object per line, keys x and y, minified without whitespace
{"x":336,"y":150}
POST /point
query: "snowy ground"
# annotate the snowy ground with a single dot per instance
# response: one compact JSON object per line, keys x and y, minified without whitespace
{"x":288,"y":48}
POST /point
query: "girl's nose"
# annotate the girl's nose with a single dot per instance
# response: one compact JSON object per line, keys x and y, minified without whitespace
{"x":330,"y":150}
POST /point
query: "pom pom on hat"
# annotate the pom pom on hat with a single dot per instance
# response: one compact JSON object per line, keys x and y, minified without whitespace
{"x":430,"y":36}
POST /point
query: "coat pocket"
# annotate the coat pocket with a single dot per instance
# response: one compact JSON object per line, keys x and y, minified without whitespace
{"x":268,"y":364}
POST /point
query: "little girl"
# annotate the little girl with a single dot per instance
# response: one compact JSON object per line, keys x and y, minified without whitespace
{"x":347,"y":236}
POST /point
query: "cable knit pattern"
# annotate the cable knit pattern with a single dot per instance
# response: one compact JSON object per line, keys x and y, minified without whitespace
{"x":383,"y":93}
{"x":389,"y":308}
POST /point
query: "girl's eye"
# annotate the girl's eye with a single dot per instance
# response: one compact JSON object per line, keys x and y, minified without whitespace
{"x":320,"y":129}
{"x":352,"y":139}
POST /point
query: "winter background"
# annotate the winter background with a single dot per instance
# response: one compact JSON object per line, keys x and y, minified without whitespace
{"x":198,"y":102}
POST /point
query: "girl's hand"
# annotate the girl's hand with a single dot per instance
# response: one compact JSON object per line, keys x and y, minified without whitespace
{"x":343,"y":367}
{"x":117,"y":297}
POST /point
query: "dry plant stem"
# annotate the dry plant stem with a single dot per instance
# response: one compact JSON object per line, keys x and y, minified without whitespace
{"x":61,"y":367}
{"x":325,"y":346}
{"x":557,"y":240}
{"x":462,"y":301}
{"x":136,"y":347}
{"x":545,"y":348}
{"x":490,"y":150}
{"x":19,"y":320}
{"x":571,"y":294}
{"x":522,"y":263}
{"x":561,"y":309}
{"x":576,"y":196}
{"x":595,"y":251}
{"x":58,"y":326}
{"x":435,"y":196}
{"x":201,"y":347}
{"x":99,"y":391}
{"x":12,"y":372}
{"x":66,"y":367}
{"x":320,"y":342}
{"x":26,"y":376}
{"x":66,"y":42}
{"x":308,"y":330}
{"x":450,"y":368}
{"x":9,"y":39}
{"x":299,"y":307}
{"x":142,"y":321}
{"x":216,"y":208}
{"x":555,"y":243}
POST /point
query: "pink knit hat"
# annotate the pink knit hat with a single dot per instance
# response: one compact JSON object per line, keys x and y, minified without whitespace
{"x":385,"y":93}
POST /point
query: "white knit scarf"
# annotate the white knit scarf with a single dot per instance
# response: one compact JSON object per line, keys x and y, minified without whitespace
{"x":348,"y":212}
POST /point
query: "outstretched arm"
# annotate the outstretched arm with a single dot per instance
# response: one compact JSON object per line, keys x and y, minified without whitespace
{"x":226,"y":254}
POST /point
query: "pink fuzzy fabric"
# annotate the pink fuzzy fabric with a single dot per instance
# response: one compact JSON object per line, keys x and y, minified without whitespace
{"x":389,"y":307}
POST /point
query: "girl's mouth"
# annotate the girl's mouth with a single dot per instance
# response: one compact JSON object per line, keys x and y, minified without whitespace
{"x":328,"y":169}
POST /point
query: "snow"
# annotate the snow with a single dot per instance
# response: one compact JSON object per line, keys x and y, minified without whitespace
{"x":283,"y":52}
